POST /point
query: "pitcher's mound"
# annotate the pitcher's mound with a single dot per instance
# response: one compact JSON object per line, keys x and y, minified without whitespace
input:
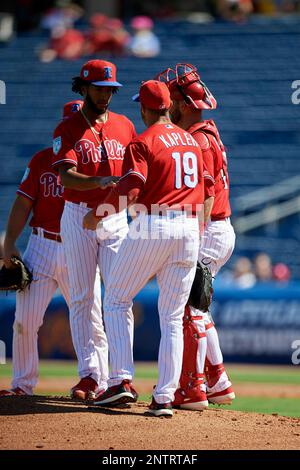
{"x":41,"y":422}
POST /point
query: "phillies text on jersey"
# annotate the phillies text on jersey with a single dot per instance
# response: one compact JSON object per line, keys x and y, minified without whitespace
{"x":75,"y":143}
{"x":40,"y":185}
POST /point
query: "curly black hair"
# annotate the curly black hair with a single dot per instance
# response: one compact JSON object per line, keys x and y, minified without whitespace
{"x":78,"y":83}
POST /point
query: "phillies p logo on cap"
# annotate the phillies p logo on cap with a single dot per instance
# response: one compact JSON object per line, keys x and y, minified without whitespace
{"x":100,"y":73}
{"x":75,"y":107}
{"x":71,"y":108}
{"x":107,"y":72}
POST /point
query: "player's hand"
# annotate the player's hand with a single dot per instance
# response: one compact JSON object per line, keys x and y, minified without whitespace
{"x":108,"y":181}
{"x":90,"y":221}
{"x":10,"y":250}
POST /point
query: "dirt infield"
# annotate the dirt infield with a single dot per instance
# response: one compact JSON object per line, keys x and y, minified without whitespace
{"x":58,"y":423}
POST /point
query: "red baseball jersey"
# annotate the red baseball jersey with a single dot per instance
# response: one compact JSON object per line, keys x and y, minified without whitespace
{"x":40,"y":185}
{"x":215,"y":162}
{"x":169,"y":162}
{"x":75,"y":143}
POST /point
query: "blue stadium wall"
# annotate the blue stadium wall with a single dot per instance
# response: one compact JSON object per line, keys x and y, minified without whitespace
{"x":257,"y":325}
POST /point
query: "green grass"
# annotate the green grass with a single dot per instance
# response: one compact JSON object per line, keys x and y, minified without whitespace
{"x":69,"y":369}
{"x":282,"y":406}
{"x":267,"y":377}
{"x":47,"y":369}
{"x":288,"y":375}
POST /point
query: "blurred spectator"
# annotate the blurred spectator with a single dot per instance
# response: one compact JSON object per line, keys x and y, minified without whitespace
{"x":243,"y":275}
{"x":144,"y":42}
{"x":65,"y":41}
{"x":275,"y":7}
{"x":263,"y":268}
{"x":67,"y":44}
{"x":6,"y":27}
{"x":7,"y":22}
{"x":235,"y":10}
{"x":106,"y":35}
{"x":120,"y":38}
{"x":281,"y":273}
{"x":63,"y":15}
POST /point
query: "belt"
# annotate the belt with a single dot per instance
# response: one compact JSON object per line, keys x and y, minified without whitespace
{"x":216,"y":219}
{"x":50,"y":236}
{"x":83,"y":204}
{"x":173,"y":214}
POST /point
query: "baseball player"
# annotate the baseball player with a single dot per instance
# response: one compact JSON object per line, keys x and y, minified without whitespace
{"x":190,"y":96}
{"x":163,"y":172}
{"x":41,"y":194}
{"x":86,"y":148}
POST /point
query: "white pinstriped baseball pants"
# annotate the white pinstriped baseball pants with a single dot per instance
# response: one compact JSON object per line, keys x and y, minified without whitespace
{"x":46,"y":259}
{"x":216,"y":247}
{"x":217,"y":244}
{"x":167,"y":248}
{"x":85,"y":250}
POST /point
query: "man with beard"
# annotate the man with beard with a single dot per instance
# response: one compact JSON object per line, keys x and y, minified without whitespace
{"x":86,"y":148}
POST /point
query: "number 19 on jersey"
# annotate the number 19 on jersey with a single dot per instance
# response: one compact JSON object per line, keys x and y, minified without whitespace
{"x":186,"y":169}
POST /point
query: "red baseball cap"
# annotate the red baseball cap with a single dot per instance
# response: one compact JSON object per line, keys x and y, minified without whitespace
{"x":100,"y":73}
{"x":154,"y":95}
{"x":141,"y":22}
{"x":71,"y":107}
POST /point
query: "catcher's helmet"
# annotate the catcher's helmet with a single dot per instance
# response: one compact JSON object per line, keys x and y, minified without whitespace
{"x":185,"y":84}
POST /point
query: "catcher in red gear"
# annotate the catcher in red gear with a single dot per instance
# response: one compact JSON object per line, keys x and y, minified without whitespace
{"x":202,"y":354}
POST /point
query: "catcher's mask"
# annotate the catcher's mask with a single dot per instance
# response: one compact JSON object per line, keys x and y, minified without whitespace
{"x":185,"y":84}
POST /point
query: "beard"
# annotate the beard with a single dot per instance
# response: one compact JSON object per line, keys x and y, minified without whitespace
{"x":175,"y":116}
{"x":93,"y":107}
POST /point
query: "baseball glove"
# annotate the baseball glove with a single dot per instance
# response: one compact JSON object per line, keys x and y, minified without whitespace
{"x":16,"y":278}
{"x":201,"y":292}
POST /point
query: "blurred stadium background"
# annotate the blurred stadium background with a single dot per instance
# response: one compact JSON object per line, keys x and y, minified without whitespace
{"x":248,"y":54}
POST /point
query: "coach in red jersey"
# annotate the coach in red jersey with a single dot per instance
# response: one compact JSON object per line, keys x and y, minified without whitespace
{"x":190,"y":97}
{"x":163,"y":173}
{"x":88,"y":153}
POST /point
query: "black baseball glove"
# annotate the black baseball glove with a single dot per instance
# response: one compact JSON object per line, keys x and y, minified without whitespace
{"x":16,"y":278}
{"x":201,"y":292}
